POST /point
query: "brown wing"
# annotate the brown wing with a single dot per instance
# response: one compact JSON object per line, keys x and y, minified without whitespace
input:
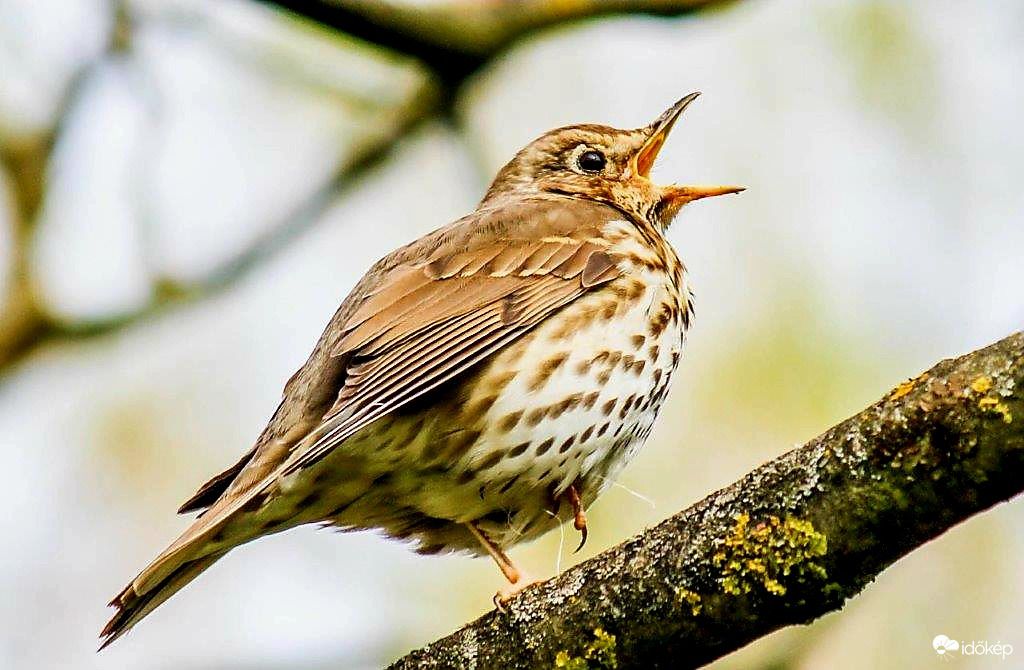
{"x":432,"y":320}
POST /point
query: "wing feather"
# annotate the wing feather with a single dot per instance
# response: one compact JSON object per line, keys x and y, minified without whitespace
{"x":447,"y":338}
{"x":431,"y":357}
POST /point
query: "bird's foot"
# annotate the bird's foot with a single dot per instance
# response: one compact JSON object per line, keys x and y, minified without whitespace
{"x":517,"y":580}
{"x":507,"y":593}
{"x":579,"y":520}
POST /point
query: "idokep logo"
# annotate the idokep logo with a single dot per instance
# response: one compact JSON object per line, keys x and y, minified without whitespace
{"x":947,"y":648}
{"x":943,"y":646}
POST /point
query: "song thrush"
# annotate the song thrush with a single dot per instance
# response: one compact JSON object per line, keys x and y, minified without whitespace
{"x":477,"y":382}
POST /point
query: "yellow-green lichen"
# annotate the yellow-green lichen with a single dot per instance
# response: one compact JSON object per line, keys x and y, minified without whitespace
{"x":990,"y":403}
{"x":996,"y":406}
{"x":599,"y":654}
{"x":906,"y":387}
{"x":981,"y":384}
{"x":765,"y":554}
{"x":690,"y":598}
{"x":902,"y":390}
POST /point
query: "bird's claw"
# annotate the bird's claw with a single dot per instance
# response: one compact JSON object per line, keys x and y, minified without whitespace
{"x":506,"y":594}
{"x":583,"y":533}
{"x":579,"y":516}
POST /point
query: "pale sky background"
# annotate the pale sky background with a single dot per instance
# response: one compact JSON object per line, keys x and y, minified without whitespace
{"x":881,"y":231}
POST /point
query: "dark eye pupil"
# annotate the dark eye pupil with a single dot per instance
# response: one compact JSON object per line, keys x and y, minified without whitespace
{"x":591,"y":161}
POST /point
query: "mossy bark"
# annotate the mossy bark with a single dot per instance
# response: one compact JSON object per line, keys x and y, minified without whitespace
{"x":791,"y":541}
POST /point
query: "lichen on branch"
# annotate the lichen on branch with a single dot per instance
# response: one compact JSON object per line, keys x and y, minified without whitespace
{"x":765,"y":554}
{"x":789,"y":542}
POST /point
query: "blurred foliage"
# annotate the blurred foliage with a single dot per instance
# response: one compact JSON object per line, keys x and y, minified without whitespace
{"x":891,"y":63}
{"x":792,"y":368}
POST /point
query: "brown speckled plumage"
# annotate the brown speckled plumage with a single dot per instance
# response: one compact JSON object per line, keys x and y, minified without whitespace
{"x":479,"y":385}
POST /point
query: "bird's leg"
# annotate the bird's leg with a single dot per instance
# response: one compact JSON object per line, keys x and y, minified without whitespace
{"x":517,"y":579}
{"x":579,"y":517}
{"x":505,"y":564}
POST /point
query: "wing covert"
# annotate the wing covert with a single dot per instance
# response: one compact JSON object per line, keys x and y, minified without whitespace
{"x":430,"y":321}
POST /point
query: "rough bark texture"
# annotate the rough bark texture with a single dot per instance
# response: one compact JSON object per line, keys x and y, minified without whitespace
{"x":791,"y":541}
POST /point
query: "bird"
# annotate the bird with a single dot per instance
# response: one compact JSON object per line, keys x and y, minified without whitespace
{"x":479,"y":386}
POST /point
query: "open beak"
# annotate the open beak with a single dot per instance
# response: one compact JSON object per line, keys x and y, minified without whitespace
{"x":657,"y":134}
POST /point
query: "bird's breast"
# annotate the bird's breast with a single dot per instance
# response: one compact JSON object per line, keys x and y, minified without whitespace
{"x":573,"y":399}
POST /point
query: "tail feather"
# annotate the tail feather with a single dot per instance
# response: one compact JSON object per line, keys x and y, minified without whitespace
{"x":211,"y":491}
{"x":224,"y":525}
{"x":199,"y":547}
{"x":132,"y":607}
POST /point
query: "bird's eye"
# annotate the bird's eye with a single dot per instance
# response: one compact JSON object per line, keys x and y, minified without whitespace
{"x":591,"y":161}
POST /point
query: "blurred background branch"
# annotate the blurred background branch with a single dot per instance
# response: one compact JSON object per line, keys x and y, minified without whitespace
{"x":789,"y":542}
{"x":456,"y":39}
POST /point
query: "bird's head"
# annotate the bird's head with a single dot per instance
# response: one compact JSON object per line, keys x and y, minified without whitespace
{"x":604,"y":164}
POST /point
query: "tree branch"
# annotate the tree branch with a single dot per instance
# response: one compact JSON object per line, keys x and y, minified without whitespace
{"x":455,"y":39}
{"x":789,"y":542}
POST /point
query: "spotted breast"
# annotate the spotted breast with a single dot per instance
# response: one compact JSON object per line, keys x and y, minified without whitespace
{"x":569,"y":402}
